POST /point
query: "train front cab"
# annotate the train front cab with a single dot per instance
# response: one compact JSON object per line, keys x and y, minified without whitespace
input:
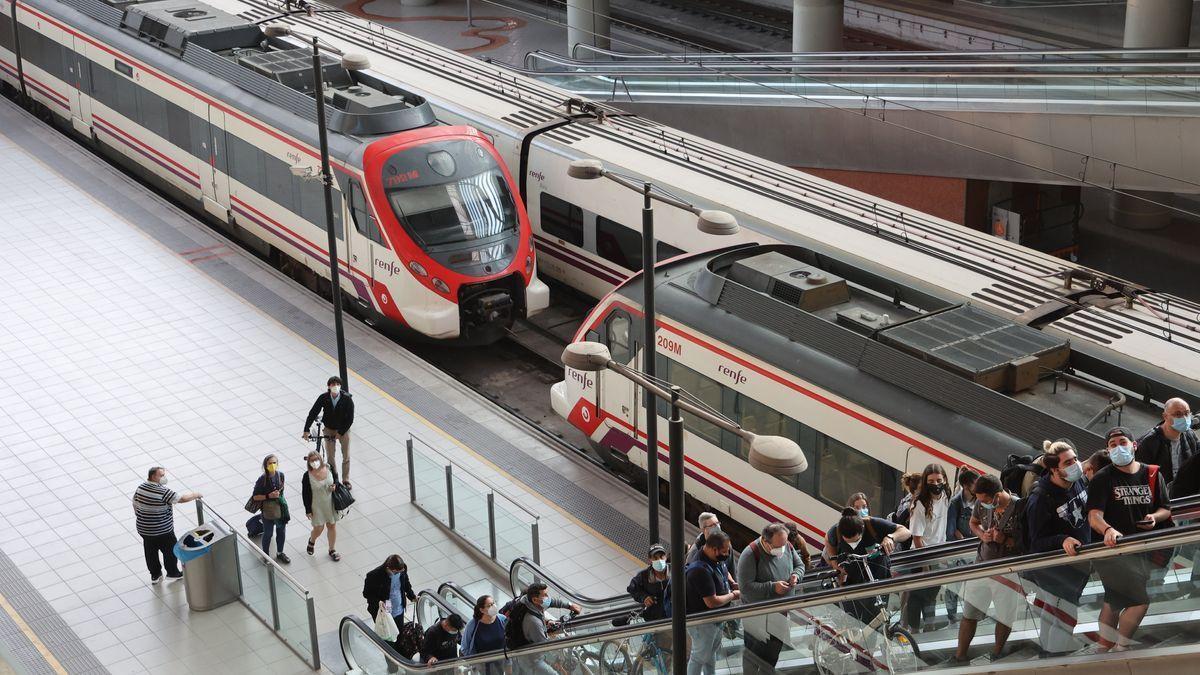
{"x":461,"y":236}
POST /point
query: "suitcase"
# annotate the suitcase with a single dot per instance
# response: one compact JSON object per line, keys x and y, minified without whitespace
{"x":254,"y":526}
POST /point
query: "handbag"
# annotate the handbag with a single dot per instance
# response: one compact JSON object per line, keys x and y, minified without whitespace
{"x":385,"y":626}
{"x":253,"y":506}
{"x":342,"y":499}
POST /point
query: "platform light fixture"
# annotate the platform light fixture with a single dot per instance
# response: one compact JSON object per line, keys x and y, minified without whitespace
{"x":774,"y":455}
{"x":708,"y":221}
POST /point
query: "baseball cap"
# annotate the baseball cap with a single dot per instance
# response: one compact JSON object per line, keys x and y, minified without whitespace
{"x":1118,"y":431}
{"x":658,"y":548}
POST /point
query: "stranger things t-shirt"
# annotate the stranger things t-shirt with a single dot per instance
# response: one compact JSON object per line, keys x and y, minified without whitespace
{"x":1126,"y":498}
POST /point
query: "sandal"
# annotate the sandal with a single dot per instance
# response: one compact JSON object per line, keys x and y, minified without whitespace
{"x":312,"y":547}
{"x":335,"y":555}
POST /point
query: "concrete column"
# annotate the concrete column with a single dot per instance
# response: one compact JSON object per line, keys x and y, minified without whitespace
{"x":817,"y":25}
{"x":1161,"y":24}
{"x":588,"y":24}
{"x":1151,"y":24}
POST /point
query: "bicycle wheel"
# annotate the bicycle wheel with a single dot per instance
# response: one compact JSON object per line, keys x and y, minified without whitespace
{"x":614,"y":658}
{"x":827,"y":658}
{"x":901,"y":651}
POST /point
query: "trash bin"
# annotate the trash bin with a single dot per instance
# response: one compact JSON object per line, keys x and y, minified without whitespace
{"x":210,"y":566}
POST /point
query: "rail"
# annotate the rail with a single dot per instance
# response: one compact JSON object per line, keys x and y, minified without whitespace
{"x":281,"y":602}
{"x":816,"y":622}
{"x":1017,"y":55}
{"x":524,"y":571}
{"x":471,"y":507}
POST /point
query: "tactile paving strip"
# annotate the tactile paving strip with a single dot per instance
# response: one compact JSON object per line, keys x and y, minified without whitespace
{"x":581,"y":504}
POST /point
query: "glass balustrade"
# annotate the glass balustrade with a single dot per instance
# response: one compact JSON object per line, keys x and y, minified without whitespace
{"x":1048,"y":606}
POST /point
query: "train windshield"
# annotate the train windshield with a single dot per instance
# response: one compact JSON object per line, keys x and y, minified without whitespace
{"x":460,"y":195}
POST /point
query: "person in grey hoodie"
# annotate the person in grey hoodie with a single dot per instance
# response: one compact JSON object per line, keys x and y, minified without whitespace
{"x":768,"y":568}
{"x":533,"y":625}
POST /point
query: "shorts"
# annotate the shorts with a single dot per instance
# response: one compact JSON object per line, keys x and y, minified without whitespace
{"x":1002,"y":591}
{"x":1125,"y":579}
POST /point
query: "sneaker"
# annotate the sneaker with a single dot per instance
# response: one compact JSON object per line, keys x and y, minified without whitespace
{"x":156,"y":580}
{"x":175,"y":576}
{"x":282,"y":557}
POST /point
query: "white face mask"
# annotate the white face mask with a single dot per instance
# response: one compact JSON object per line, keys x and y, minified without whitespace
{"x":778,"y":552}
{"x":316,"y":464}
{"x":853,"y":544}
{"x":335,"y":390}
{"x":492,"y":611}
{"x":162,"y":481}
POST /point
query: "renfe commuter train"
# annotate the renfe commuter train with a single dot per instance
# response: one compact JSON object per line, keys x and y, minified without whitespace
{"x":222,"y":114}
{"x":588,"y":232}
{"x":869,"y":375}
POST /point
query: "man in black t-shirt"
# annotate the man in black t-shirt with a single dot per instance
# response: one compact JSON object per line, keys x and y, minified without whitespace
{"x":1125,"y":498}
{"x":708,"y":589}
{"x":856,"y":535}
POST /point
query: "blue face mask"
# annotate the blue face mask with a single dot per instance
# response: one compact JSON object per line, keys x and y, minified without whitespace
{"x":988,"y":507}
{"x":1181,"y":424}
{"x":864,"y":512}
{"x":1074,"y":472}
{"x":1121,"y":455}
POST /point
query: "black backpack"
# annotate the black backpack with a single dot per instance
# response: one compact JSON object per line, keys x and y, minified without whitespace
{"x":1012,"y":476}
{"x":1020,"y":524}
{"x":514,"y":630}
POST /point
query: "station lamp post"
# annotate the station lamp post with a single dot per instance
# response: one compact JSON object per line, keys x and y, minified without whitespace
{"x":773,"y":455}
{"x":708,"y":222}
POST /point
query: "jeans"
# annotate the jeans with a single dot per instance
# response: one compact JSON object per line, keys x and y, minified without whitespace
{"x":706,"y":640}
{"x":269,"y":527}
{"x":164,"y":544}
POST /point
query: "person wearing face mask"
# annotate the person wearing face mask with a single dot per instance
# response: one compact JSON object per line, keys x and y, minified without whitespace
{"x":336,"y":408}
{"x":317,"y":489}
{"x":1098,"y":460}
{"x":958,"y":526}
{"x":389,"y":588}
{"x":153,"y":509}
{"x":1171,"y":443}
{"x":931,"y":508}
{"x":647,"y":586}
{"x":527,"y":625}
{"x":708,"y":522}
{"x":1056,"y":519}
{"x":485,"y":632}
{"x":1125,"y":498}
{"x":708,"y":588}
{"x":268,"y":489}
{"x":996,"y":521}
{"x":440,"y":642}
{"x":769,"y":568}
{"x":856,"y":535}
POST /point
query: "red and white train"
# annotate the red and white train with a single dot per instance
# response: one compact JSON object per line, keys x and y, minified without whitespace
{"x":220,"y":113}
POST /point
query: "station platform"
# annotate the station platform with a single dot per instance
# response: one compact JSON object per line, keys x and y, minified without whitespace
{"x":135,"y":336}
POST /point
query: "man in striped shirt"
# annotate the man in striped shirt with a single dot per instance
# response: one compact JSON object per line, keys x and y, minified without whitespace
{"x":152,"y":504}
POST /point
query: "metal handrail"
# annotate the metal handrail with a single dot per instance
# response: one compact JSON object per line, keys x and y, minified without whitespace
{"x":1138,"y":543}
{"x":541,"y":572}
{"x":273,"y":571}
{"x":499,"y":491}
{"x":1000,"y":53}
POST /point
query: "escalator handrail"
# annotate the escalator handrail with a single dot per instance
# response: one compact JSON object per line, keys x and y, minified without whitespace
{"x":541,"y":572}
{"x":1136,"y":543}
{"x":868,"y":55}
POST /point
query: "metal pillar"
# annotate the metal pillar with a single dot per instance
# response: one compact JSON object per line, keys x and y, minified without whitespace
{"x":1151,"y":24}
{"x":335,"y":279}
{"x":649,"y":353}
{"x":588,"y":23}
{"x":679,"y":653}
{"x":817,"y":25}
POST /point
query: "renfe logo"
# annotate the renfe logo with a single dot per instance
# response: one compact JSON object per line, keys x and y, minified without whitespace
{"x":392,"y":268}
{"x":735,"y":375}
{"x":582,"y":378}
{"x":538,"y":175}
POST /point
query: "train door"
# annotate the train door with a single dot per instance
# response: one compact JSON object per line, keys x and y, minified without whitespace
{"x":215,"y":180}
{"x":366,"y":229}
{"x":617,"y":394}
{"x":79,"y":72}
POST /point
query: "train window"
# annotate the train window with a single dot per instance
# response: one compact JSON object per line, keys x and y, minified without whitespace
{"x":178,"y":126}
{"x":842,"y":471}
{"x":618,"y":337}
{"x":152,"y":112}
{"x":562,"y":219}
{"x":618,"y":244}
{"x":123,"y":68}
{"x":104,"y":85}
{"x":245,"y":164}
{"x":363,"y":221}
{"x":709,"y":392}
{"x":280,"y":187}
{"x":762,"y":420}
{"x":6,"y":38}
{"x":126,"y":102}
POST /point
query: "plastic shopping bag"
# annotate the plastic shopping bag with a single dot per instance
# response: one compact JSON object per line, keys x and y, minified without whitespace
{"x":385,"y":626}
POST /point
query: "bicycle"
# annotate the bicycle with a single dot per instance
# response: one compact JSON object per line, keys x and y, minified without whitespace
{"x":573,"y":660}
{"x":617,"y":656}
{"x":848,"y":650}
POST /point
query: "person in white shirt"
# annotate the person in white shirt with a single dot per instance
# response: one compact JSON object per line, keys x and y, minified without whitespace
{"x":930,"y":509}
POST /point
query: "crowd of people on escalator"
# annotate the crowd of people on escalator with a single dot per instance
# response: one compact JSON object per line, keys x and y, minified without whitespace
{"x":1057,"y":501}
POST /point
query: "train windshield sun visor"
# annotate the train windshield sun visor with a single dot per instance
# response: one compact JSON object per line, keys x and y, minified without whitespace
{"x":469,"y":209}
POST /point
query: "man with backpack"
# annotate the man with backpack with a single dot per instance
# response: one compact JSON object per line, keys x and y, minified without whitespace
{"x":527,"y":625}
{"x":768,"y":568}
{"x":998,"y":519}
{"x":1126,"y":497}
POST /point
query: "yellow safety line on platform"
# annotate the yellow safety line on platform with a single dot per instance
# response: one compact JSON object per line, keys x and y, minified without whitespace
{"x":37,"y":643}
{"x":317,"y":349}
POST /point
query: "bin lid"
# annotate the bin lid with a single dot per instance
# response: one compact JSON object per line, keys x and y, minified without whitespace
{"x":195,"y":543}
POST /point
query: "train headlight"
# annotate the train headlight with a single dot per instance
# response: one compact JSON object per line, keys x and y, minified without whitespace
{"x":441,"y":285}
{"x":528,"y":264}
{"x":418,"y":269}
